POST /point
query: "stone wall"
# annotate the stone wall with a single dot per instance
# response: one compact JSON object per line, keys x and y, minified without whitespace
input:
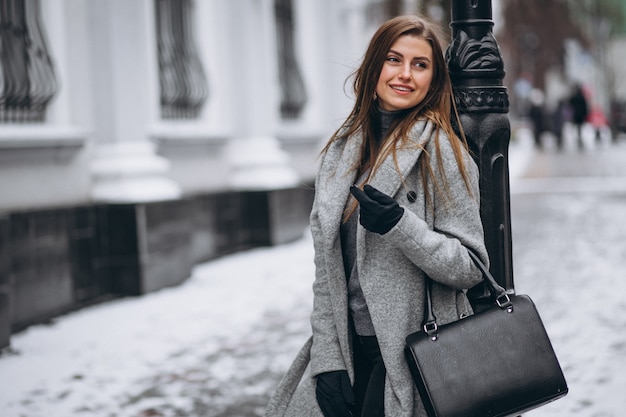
{"x":56,"y":260}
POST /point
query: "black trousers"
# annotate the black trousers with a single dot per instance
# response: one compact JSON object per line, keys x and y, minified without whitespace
{"x":369,"y":378}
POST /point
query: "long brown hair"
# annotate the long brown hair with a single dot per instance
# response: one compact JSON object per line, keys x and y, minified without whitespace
{"x":437,"y":106}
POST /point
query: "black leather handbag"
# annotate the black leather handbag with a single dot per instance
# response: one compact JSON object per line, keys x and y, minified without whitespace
{"x":498,"y":362}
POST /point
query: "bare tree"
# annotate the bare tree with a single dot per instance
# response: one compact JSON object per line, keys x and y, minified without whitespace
{"x":535,"y":32}
{"x":534,"y":37}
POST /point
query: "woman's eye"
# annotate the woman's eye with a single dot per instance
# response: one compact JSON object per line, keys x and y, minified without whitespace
{"x":392,"y":59}
{"x":420,"y":65}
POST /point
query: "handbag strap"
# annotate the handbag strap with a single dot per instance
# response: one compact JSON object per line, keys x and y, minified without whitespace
{"x":498,"y":293}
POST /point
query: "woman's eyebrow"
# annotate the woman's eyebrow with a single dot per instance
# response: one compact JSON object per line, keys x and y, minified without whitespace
{"x":424,"y":58}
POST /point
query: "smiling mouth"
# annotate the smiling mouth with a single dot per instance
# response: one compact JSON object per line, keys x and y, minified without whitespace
{"x":401,"y":88}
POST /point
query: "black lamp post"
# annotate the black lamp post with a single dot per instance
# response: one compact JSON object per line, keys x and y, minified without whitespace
{"x":477,"y":73}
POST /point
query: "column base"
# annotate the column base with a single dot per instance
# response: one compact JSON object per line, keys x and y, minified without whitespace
{"x":259,"y":164}
{"x":131,"y":172}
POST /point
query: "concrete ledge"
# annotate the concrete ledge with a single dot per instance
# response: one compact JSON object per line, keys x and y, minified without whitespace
{"x":60,"y":259}
{"x":39,"y":143}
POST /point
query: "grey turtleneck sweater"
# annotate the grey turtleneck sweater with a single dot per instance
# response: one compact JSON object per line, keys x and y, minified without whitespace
{"x":356,"y":300}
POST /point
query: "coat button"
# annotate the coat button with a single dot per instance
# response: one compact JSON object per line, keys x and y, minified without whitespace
{"x":411,"y":196}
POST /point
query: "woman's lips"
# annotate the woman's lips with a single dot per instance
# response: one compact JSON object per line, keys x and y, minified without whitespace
{"x":401,"y":89}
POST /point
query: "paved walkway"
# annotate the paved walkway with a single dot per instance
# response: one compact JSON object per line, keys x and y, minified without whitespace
{"x":569,"y":223}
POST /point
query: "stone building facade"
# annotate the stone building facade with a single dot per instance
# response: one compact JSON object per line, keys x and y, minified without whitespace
{"x":140,"y":137}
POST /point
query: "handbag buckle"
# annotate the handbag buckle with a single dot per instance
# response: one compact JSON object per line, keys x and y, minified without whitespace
{"x":504,"y":301}
{"x":430,"y":328}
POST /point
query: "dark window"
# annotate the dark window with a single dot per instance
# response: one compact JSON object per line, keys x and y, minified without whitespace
{"x":27,"y":79}
{"x":184,"y":87}
{"x":293,"y":93}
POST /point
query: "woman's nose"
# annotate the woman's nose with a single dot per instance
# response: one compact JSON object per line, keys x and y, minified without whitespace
{"x":405,"y":72}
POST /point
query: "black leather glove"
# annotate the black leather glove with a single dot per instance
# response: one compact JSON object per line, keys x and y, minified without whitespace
{"x":334,"y":394}
{"x":378,"y":212}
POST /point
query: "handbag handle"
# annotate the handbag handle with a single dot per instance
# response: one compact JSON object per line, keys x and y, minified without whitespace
{"x":498,"y":293}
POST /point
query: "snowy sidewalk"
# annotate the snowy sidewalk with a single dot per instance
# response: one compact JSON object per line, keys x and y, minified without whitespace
{"x":192,"y":350}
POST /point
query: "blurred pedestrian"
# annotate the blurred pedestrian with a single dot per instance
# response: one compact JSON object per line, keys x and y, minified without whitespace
{"x":561,"y":115}
{"x":617,"y":118}
{"x":580,"y":111}
{"x":598,"y":121}
{"x":413,"y":211}
{"x":521,"y":93}
{"x":537,"y":115}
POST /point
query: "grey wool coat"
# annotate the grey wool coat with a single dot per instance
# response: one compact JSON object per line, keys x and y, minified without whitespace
{"x":430,"y":239}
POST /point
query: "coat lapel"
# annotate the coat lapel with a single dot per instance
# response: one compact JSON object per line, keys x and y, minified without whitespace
{"x":336,"y":175}
{"x":386,"y":179}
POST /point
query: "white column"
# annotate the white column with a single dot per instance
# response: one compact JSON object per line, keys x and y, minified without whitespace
{"x":255,"y":157}
{"x":125,"y":166}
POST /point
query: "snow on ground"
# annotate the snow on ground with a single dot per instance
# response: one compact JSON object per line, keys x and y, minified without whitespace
{"x":100,"y":361}
{"x":571,"y":262}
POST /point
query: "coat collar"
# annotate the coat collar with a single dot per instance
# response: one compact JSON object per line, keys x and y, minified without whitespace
{"x":336,"y":174}
{"x":386,"y":179}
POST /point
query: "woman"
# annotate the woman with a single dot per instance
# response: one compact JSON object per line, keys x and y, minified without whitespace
{"x":414,"y":212}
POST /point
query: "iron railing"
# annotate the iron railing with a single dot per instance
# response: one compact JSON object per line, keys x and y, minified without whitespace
{"x":293,"y":95}
{"x":27,"y":77}
{"x":182,"y":80}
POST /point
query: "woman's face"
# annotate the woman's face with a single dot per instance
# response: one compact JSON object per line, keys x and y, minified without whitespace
{"x":407,"y":73}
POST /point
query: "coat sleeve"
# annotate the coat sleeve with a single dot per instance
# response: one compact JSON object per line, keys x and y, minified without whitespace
{"x":441,"y":251}
{"x":325,"y":350}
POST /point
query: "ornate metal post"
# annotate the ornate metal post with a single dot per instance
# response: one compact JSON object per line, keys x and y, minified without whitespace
{"x":477,"y":73}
